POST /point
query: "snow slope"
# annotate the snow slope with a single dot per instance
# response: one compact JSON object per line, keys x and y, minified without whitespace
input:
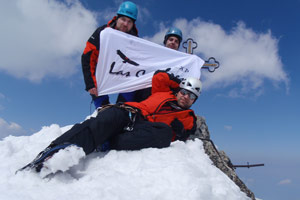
{"x":182,"y":171}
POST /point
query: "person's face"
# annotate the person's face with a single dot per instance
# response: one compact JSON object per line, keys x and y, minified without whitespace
{"x":124,"y":24}
{"x":172,"y":42}
{"x":184,"y":99}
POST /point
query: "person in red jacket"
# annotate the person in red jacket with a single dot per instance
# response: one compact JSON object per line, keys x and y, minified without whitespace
{"x":155,"y":122}
{"x":125,"y":22}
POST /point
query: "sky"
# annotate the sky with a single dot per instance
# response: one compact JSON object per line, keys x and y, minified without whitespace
{"x":249,"y":103}
{"x":146,"y":174}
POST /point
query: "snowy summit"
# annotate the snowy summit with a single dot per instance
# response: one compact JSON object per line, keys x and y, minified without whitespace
{"x":181,"y":171}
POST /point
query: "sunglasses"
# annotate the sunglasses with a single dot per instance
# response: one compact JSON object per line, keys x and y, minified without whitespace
{"x":191,"y":95}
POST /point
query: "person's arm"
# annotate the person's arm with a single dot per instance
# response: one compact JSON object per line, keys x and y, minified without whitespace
{"x":180,"y":133}
{"x":164,"y":82}
{"x":89,"y":61}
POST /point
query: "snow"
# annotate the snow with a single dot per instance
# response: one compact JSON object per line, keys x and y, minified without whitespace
{"x":181,"y":171}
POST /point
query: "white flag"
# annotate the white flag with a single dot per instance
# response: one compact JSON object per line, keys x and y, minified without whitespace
{"x":126,"y":63}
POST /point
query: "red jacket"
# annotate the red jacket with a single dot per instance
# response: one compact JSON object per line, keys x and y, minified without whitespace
{"x":162,"y":96}
{"x":89,"y":58}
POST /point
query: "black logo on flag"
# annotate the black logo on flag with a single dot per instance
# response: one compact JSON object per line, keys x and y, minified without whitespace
{"x":125,"y":59}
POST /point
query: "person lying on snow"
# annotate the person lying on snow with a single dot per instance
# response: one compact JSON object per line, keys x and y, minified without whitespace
{"x":163,"y":117}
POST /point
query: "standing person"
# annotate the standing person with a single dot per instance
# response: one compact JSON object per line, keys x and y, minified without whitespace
{"x":163,"y":117}
{"x":172,"y":40}
{"x":125,"y":22}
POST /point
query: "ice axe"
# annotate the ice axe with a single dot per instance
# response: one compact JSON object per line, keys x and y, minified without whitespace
{"x":248,"y":165}
{"x":211,"y":64}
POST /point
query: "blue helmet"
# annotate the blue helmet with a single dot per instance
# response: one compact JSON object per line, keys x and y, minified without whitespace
{"x":128,"y":9}
{"x":173,"y":31}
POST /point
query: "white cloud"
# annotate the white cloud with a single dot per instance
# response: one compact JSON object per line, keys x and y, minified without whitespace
{"x":108,"y":13}
{"x":43,"y":37}
{"x":228,"y":128}
{"x":2,"y":96}
{"x":143,"y":15}
{"x":159,"y":36}
{"x":247,"y":58}
{"x":10,"y":128}
{"x":285,"y":182}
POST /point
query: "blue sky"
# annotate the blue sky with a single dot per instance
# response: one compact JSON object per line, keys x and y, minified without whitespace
{"x":250,"y":103}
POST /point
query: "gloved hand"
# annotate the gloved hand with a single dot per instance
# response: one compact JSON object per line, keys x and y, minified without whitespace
{"x":159,"y":70}
{"x":178,"y":128}
{"x":172,"y":77}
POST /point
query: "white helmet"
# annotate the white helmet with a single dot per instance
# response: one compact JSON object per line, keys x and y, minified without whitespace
{"x":192,"y":84}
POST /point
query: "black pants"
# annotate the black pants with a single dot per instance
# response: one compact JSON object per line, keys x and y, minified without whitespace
{"x":109,"y":126}
{"x":144,"y":135}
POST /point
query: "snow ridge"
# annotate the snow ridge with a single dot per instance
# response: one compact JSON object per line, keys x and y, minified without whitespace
{"x":182,"y":171}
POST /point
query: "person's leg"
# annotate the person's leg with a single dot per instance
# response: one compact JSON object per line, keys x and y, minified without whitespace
{"x":144,"y":135}
{"x":95,"y":131}
{"x":142,"y":94}
{"x":44,"y":155}
{"x":100,"y":100}
{"x":125,"y":97}
{"x":87,"y":135}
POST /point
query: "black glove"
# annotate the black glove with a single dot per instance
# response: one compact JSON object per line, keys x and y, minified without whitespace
{"x":178,"y":128}
{"x":174,"y":78}
{"x":159,"y":70}
{"x":171,"y":75}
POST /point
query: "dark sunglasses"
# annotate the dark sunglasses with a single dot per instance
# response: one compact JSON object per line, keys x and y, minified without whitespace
{"x":191,"y":95}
